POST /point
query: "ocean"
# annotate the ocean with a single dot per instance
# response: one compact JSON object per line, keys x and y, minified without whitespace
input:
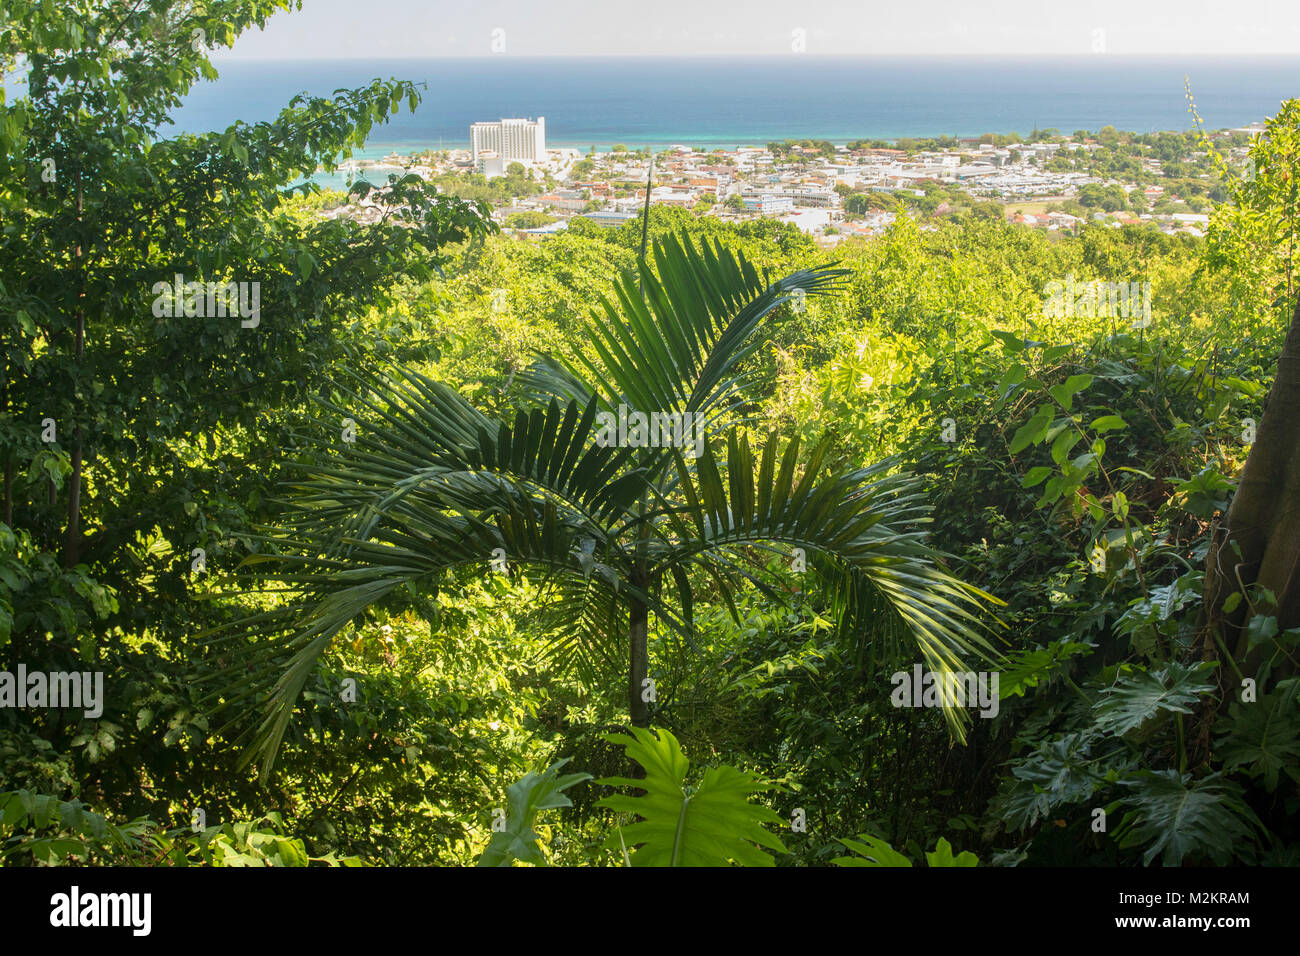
{"x":731,"y":101}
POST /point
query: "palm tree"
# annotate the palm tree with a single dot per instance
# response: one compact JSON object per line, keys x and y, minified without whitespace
{"x":622,"y":531}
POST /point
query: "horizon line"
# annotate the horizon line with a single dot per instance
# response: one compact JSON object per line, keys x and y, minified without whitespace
{"x":773,"y":56}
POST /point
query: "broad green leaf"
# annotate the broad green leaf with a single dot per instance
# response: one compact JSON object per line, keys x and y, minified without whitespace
{"x":1064,"y":442}
{"x":1011,"y":377}
{"x":1263,"y":736}
{"x":1179,"y":819}
{"x":712,"y":824}
{"x":532,"y":793}
{"x":941,"y":855}
{"x":1032,"y":431}
{"x":1139,"y":694}
{"x":1035,"y":476}
{"x":872,"y":851}
{"x":1262,"y":627}
{"x":1108,"y":423}
{"x":1064,"y":393}
{"x":1059,"y":772}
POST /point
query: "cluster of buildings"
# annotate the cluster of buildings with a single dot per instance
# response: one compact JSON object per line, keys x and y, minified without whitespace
{"x":805,"y":187}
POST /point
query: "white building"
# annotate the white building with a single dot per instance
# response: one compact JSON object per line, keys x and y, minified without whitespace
{"x":491,"y":164}
{"x":512,"y":140}
{"x":768,"y":203}
{"x":810,"y":220}
{"x":610,"y":220}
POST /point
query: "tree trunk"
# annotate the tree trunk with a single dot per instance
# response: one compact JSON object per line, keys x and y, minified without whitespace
{"x":645,"y":222}
{"x":1258,"y":541}
{"x":638,"y":664}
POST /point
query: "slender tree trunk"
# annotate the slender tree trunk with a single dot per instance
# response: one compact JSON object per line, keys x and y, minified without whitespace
{"x":638,"y":665}
{"x":645,"y":222}
{"x":638,"y":707}
{"x":1258,"y":541}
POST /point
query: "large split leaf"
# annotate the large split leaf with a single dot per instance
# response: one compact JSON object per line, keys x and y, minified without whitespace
{"x":1139,"y":694}
{"x":1264,"y":736}
{"x":711,"y":824}
{"x":1059,"y":773}
{"x":874,"y":851}
{"x":1177,"y":819}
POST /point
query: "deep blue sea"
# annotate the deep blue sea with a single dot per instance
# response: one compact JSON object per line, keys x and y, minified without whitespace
{"x":730,"y":101}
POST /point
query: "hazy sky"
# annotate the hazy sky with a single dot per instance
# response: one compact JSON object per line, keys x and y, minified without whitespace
{"x":357,"y":28}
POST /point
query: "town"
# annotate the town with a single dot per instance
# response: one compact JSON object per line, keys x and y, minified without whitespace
{"x":833,"y":192}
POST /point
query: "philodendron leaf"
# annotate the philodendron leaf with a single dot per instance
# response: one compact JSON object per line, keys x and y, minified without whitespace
{"x":1058,"y":773}
{"x":1179,"y":819}
{"x":1026,"y":668}
{"x":712,"y":824}
{"x":1264,"y":736}
{"x":1139,"y":694}
{"x":876,"y":852}
{"x":872,"y":851}
{"x":942,"y":856}
{"x":534,"y":792}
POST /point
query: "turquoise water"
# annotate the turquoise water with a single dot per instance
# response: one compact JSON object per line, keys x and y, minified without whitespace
{"x":742,"y":100}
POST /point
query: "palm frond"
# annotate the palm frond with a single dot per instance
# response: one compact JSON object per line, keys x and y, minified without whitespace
{"x":674,"y":341}
{"x":430,"y":485}
{"x":865,"y":527}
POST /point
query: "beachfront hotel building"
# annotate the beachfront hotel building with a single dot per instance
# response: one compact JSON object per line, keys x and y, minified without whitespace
{"x":511,"y":140}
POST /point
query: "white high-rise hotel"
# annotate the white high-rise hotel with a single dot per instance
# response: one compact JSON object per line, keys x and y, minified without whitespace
{"x":513,"y":140}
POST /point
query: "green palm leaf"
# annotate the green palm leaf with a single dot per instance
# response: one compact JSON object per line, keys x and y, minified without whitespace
{"x":865,"y":526}
{"x":675,"y":341}
{"x":431,"y":487}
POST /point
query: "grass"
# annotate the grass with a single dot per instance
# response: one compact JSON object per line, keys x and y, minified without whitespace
{"x":1027,"y":208}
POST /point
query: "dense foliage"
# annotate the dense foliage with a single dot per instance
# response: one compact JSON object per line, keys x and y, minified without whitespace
{"x":1063,"y":475}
